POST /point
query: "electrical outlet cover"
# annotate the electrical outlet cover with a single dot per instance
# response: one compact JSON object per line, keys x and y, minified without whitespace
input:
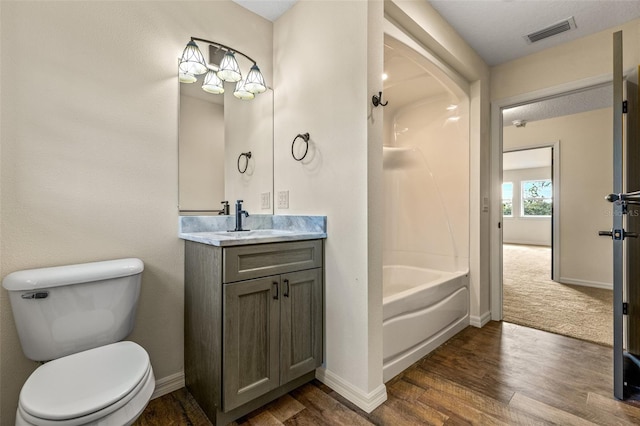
{"x":265,"y":200}
{"x":283,"y":199}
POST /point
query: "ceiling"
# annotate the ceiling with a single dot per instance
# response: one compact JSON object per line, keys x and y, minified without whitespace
{"x":268,"y":9}
{"x":526,"y":159}
{"x":495,"y":29}
{"x":573,"y":103}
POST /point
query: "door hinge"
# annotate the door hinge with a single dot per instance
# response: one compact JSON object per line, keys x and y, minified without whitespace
{"x":625,"y":107}
{"x":625,"y":308}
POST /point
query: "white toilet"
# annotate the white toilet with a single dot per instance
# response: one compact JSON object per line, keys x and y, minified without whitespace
{"x":77,"y":315}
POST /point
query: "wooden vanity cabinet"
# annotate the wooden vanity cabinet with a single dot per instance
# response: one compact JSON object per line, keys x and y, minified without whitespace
{"x":264,"y":320}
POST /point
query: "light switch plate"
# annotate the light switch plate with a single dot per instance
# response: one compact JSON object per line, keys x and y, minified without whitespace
{"x":283,"y":199}
{"x":265,"y":200}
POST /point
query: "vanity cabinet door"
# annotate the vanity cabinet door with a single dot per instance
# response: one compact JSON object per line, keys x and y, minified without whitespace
{"x":301,"y":323}
{"x":251,"y":335}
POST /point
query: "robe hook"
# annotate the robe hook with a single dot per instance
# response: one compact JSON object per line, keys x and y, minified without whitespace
{"x":377,"y":100}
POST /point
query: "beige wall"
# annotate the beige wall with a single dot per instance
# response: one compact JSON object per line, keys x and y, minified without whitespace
{"x":585,"y":178}
{"x":89,"y":114}
{"x":249,"y":128}
{"x":325,"y":98}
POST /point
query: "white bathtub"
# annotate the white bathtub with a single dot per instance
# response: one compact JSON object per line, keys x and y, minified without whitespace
{"x":422,"y":308}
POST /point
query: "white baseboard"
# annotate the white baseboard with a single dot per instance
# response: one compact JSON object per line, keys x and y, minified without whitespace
{"x":586,"y":283}
{"x":366,"y":401}
{"x":480,"y":321}
{"x":168,"y":384}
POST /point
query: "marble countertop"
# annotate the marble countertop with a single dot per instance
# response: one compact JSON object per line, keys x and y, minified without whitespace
{"x":214,"y":230}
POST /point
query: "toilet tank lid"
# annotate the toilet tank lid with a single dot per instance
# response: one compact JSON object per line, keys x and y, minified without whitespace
{"x":56,"y":276}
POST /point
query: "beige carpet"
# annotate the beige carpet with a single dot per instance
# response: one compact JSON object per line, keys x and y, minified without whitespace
{"x":530,"y":298}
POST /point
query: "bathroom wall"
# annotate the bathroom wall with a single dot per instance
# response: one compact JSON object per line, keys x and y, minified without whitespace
{"x":89,"y":114}
{"x":585,"y":178}
{"x":427,"y":187}
{"x":341,"y":177}
{"x":327,"y":97}
{"x":249,"y":128}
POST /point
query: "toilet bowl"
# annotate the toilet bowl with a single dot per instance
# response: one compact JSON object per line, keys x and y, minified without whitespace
{"x":76,"y":316}
{"x":109,"y":385}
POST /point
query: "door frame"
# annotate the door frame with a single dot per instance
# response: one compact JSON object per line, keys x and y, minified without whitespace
{"x":555,"y":210}
{"x":495,"y":175}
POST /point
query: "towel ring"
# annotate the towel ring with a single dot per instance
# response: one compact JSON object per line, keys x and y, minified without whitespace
{"x":305,"y":138}
{"x":246,"y":163}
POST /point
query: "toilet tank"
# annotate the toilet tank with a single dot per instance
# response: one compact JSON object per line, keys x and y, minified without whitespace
{"x":67,"y":309}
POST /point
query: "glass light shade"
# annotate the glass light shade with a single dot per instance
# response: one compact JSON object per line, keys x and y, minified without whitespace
{"x":255,"y":81}
{"x":229,"y":68}
{"x":185,"y":77}
{"x":212,"y":83}
{"x":192,"y":61}
{"x":242,"y":93}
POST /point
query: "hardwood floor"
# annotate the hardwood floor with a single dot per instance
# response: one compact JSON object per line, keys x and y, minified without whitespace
{"x":501,"y":374}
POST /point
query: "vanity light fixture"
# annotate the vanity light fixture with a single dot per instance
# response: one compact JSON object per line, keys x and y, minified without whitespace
{"x":192,"y":64}
{"x":212,"y":83}
{"x":185,"y":77}
{"x":229,"y":68}
{"x":242,"y":92}
{"x":255,"y":81}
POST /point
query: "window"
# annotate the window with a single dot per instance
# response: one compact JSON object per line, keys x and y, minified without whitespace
{"x":507,"y":199}
{"x":537,"y":197}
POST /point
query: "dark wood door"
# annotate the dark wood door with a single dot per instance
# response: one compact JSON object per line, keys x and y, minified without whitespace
{"x":301,"y":323}
{"x":626,"y":250}
{"x":632,"y":282}
{"x":251,"y":335}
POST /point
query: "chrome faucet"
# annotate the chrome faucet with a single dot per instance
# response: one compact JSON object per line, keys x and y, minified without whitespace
{"x":239,"y":213}
{"x":225,"y":208}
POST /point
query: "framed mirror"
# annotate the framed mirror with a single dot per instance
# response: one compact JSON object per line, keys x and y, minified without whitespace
{"x":225,"y":151}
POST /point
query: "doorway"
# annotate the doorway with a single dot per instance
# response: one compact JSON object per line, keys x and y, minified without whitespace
{"x":580,"y":260}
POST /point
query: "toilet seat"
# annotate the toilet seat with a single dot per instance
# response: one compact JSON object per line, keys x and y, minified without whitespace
{"x":109,"y":381}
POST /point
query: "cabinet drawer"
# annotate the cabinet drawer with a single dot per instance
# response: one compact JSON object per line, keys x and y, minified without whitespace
{"x":247,"y":262}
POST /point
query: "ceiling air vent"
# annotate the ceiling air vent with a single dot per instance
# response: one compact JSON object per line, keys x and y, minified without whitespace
{"x":557,"y":28}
